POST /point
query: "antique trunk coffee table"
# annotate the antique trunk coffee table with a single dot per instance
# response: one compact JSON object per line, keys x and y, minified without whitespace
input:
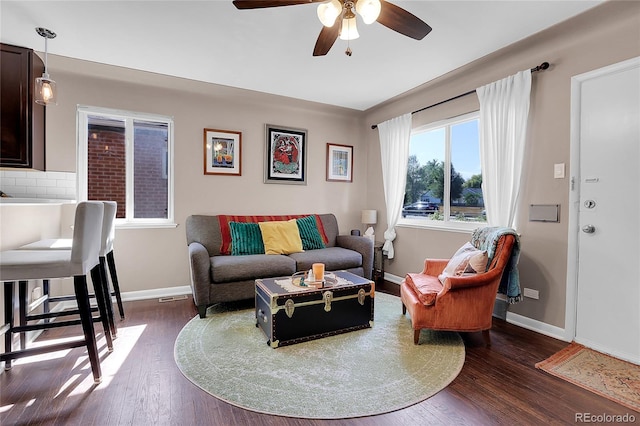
{"x":289,"y":313}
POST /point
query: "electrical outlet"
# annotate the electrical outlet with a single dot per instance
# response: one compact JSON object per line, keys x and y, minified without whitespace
{"x":531,"y":293}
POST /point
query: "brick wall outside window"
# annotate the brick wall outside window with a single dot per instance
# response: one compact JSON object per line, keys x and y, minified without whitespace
{"x":106,"y":166}
{"x":150,"y":171}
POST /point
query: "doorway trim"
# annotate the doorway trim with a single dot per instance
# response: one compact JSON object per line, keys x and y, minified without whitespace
{"x":571,"y":308}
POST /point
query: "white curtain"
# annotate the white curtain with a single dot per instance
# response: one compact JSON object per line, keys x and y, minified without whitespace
{"x":395,"y":135}
{"x":504,"y":112}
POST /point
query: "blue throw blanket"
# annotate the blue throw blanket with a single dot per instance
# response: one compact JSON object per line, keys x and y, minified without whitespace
{"x":487,"y":239}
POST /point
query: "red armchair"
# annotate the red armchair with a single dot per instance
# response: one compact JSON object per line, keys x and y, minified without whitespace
{"x":461,"y":303}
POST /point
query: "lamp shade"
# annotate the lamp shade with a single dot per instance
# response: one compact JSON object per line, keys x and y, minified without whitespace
{"x":369,"y":10}
{"x":328,"y":12}
{"x":45,"y":90}
{"x":369,"y":217}
{"x":349,"y":30}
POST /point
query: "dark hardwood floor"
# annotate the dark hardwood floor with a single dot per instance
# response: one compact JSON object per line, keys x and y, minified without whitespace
{"x":142,"y":385}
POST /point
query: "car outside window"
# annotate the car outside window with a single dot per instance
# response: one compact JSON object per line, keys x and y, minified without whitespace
{"x":444,"y":177}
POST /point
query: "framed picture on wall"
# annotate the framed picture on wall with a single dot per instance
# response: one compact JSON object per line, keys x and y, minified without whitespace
{"x":285,"y":155}
{"x":339,"y":163}
{"x":222,"y":152}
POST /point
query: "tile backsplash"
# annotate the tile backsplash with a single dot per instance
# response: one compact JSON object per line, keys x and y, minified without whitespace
{"x":36,"y":184}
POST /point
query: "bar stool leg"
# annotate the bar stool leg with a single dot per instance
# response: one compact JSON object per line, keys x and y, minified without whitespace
{"x":82,"y":298}
{"x":45,"y":291}
{"x":8,"y":319}
{"x":114,"y":279}
{"x":98,"y":289}
{"x":107,"y":296}
{"x":23,"y":302}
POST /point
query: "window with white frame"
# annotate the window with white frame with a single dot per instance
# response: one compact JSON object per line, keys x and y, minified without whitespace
{"x":444,"y":177}
{"x":127,"y":157}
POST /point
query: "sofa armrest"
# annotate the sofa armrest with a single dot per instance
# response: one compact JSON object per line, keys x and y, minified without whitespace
{"x":362,"y":245}
{"x":200,"y":271}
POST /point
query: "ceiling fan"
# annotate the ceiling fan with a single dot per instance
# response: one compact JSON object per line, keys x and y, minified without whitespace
{"x":339,"y":18}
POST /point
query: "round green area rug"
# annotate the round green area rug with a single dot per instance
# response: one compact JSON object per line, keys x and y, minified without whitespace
{"x":360,"y":373}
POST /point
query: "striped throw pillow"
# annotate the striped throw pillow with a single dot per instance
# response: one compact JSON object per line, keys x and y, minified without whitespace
{"x":246,"y":238}
{"x":309,"y":234}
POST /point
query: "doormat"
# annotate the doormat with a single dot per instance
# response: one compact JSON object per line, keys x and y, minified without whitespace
{"x":599,"y":373}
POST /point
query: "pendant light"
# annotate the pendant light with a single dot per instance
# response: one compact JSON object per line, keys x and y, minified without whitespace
{"x":45,"y":87}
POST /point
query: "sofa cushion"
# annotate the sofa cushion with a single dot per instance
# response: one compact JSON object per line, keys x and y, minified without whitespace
{"x":281,"y":237}
{"x":467,"y":260}
{"x":225,"y":233}
{"x":240,"y":268}
{"x":334,"y":259}
{"x":309,"y":234}
{"x":425,"y":286}
{"x":246,"y":238}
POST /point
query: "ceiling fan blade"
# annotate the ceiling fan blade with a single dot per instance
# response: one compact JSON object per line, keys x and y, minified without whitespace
{"x":327,"y":37}
{"x":261,"y":4}
{"x":399,"y":20}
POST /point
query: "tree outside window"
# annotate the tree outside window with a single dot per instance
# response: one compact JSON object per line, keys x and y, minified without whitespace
{"x":444,"y":180}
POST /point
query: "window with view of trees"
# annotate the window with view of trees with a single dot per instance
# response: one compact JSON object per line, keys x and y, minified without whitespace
{"x":125,"y":157}
{"x":444,"y":177}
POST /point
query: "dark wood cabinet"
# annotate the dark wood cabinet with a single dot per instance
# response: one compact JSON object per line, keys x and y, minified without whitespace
{"x":22,"y":121}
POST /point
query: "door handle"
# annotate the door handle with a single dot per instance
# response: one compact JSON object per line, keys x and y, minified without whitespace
{"x":588,"y":229}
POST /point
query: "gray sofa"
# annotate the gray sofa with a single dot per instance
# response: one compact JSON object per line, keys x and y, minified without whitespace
{"x":216,"y":277}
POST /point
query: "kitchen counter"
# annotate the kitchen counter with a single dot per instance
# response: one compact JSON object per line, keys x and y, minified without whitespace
{"x":24,"y":220}
{"x":21,"y":201}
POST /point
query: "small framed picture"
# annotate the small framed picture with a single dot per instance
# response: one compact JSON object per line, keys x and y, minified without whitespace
{"x":222,"y":152}
{"x":339,"y":163}
{"x":285,"y":155}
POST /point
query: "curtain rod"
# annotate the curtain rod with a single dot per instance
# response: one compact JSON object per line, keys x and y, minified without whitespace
{"x":541,"y":67}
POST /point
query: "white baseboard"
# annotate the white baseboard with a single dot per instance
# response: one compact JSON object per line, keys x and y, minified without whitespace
{"x":130,"y":296}
{"x":537,"y":326}
{"x":393,"y":278}
{"x":156,"y":293}
{"x":515,"y":319}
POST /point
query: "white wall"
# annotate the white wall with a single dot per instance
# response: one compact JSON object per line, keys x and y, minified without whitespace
{"x":157,"y":258}
{"x":604,"y":35}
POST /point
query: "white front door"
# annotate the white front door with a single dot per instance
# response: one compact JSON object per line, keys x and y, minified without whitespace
{"x":607,"y":200}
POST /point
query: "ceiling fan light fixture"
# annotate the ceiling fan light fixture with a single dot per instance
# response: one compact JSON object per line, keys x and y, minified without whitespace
{"x":328,"y":12}
{"x":369,"y":10}
{"x":349,"y":30}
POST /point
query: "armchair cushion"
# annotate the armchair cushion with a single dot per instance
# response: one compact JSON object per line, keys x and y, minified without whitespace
{"x":467,"y":260}
{"x":426,"y":287}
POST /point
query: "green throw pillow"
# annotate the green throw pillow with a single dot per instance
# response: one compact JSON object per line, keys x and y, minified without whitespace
{"x":309,"y":234}
{"x":246,"y":238}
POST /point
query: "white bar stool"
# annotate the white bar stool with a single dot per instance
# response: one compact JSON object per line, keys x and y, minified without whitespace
{"x":82,"y":259}
{"x":106,"y":260}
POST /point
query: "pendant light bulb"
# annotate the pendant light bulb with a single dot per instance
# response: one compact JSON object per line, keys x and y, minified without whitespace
{"x":45,"y":90}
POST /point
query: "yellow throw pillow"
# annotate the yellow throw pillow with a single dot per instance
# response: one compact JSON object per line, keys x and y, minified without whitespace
{"x":281,"y":237}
